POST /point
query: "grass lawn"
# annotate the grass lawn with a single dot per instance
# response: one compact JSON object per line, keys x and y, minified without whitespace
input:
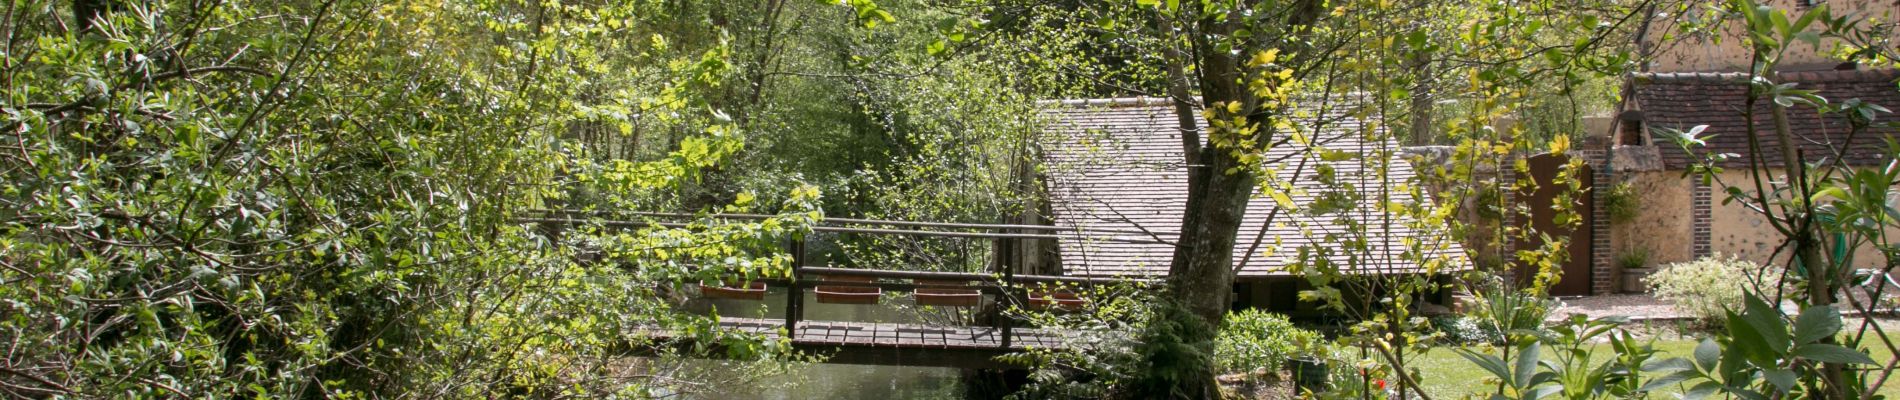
{"x":1446,"y":375}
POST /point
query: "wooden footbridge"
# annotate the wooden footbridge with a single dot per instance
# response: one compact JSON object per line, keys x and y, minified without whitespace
{"x":995,"y":296}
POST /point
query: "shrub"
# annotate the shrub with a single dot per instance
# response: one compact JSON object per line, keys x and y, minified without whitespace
{"x":1704,"y":288}
{"x":1506,"y":310}
{"x":1254,"y":340}
{"x":1463,"y":329}
{"x":1486,"y":201}
{"x":1621,"y":203}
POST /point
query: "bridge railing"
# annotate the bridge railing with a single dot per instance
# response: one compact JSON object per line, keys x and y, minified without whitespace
{"x":1001,"y":283}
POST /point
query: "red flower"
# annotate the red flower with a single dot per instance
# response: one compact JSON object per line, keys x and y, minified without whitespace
{"x":1380,"y":383}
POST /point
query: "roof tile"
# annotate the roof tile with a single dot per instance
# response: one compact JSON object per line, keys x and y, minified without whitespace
{"x":1681,"y":101}
{"x":1117,"y":164}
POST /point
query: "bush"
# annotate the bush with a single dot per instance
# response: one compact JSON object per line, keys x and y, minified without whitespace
{"x":1704,"y":288}
{"x":1254,"y":340}
{"x":1505,"y":310}
{"x":1461,"y":329}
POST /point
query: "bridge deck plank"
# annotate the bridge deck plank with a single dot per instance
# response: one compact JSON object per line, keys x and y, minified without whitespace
{"x":878,"y":334}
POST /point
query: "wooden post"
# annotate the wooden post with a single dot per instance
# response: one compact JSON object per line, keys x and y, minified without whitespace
{"x":1003,"y":251}
{"x":794,"y":292}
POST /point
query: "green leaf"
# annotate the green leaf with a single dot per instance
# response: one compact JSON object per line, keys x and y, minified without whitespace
{"x":1545,"y":391}
{"x":1816,"y":322}
{"x":1490,"y":363}
{"x":1666,"y":365}
{"x":1668,"y":380}
{"x":1782,"y":26}
{"x":1746,"y":341}
{"x":1526,"y":364}
{"x":1701,"y":391}
{"x":1807,"y":18}
{"x":1783,"y":379}
{"x":1280,"y":197}
{"x":1768,"y":323}
{"x":1832,"y":353}
{"x":1707,"y":354}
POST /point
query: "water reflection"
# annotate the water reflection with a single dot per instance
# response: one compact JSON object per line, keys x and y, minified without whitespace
{"x":836,"y":381}
{"x":839,"y":381}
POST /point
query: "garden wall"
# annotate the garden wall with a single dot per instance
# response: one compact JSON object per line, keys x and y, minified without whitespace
{"x":1666,"y":223}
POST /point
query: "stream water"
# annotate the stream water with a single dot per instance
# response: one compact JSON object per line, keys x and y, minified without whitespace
{"x":836,"y":381}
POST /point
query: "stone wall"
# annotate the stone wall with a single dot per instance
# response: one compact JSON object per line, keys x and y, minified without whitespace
{"x":1695,"y":54}
{"x":1743,"y":232}
{"x":1662,"y":224}
{"x":1667,"y":223}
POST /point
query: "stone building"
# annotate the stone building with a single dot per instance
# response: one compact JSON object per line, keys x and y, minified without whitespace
{"x":1682,"y":218}
{"x":1702,"y":80}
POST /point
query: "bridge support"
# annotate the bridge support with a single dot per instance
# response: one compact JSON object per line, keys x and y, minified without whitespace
{"x":795,"y":292}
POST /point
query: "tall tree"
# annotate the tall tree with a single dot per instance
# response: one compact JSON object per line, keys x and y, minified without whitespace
{"x":1231,"y":44}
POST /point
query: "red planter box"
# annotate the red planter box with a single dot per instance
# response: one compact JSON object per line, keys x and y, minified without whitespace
{"x":946,"y":297}
{"x":1064,"y":301}
{"x":751,"y":291}
{"x":839,"y":294}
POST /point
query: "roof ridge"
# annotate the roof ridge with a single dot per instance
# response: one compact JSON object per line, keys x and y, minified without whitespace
{"x":1851,"y":75}
{"x":1139,"y":101}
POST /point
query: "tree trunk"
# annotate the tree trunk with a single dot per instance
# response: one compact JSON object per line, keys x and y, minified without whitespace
{"x":1804,"y":232}
{"x":1201,"y":274}
{"x":1422,"y":103}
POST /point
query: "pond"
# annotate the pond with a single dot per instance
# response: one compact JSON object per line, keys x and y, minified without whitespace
{"x":833,"y":381}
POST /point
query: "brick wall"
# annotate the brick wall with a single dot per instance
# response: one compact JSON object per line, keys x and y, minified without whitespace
{"x":1602,"y":280}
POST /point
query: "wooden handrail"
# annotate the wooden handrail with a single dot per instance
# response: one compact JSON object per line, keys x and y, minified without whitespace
{"x":1000,"y":282}
{"x":857,"y":221}
{"x":965,"y":276}
{"x":822,"y":228}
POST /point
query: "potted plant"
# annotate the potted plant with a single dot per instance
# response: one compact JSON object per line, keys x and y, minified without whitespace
{"x":1636,"y":267}
{"x":945,"y":297}
{"x":734,"y":290}
{"x":848,"y":294}
{"x":1056,"y":299}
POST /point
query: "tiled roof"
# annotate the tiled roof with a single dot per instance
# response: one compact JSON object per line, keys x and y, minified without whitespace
{"x":1117,"y":165}
{"x":1683,"y":100}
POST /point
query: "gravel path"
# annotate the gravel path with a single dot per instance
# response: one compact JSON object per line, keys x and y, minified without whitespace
{"x":1634,"y":306}
{"x":1637,"y":307}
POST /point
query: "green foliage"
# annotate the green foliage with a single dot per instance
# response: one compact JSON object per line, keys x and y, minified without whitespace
{"x":1635,"y":258}
{"x":1707,"y":287}
{"x":324,"y":199}
{"x":321,"y":199}
{"x":1512,"y":312}
{"x":1564,"y":364}
{"x":1622,"y":203}
{"x":1822,"y":208}
{"x":1761,"y":354}
{"x":1488,"y":201}
{"x":1254,"y":340}
{"x":1106,"y":359}
{"x":1464,"y":329}
{"x":1173,"y":353}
